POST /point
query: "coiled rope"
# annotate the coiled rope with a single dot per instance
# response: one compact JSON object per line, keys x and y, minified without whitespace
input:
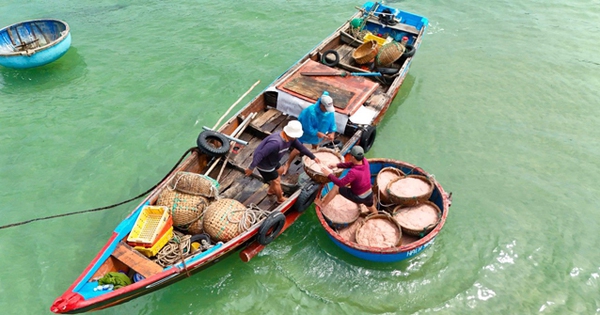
{"x":250,"y":216}
{"x":106,"y":207}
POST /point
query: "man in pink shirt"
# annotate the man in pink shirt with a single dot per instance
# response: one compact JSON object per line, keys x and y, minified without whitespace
{"x":358,"y":178}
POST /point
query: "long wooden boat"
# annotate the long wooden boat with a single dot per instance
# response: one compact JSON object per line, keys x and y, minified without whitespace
{"x":33,"y":43}
{"x":361,"y":102}
{"x":410,"y":245}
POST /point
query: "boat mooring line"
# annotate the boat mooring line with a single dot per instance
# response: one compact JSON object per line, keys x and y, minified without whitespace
{"x":106,"y":207}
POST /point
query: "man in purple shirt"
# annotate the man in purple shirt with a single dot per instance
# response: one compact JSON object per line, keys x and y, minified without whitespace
{"x":358,"y":177}
{"x":269,"y":152}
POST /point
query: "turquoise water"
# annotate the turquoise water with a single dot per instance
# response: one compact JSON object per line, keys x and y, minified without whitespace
{"x":501,"y":104}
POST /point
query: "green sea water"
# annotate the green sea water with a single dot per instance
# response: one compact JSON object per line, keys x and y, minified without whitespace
{"x":501,"y":104}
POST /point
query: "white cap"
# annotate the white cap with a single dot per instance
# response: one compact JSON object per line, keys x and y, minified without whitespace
{"x":293,"y":129}
{"x":327,"y":101}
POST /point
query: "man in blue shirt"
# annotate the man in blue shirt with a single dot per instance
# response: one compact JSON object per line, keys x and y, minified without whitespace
{"x":269,"y":152}
{"x":318,"y":123}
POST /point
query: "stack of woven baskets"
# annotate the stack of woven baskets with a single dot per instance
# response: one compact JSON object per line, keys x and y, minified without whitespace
{"x":187,"y":196}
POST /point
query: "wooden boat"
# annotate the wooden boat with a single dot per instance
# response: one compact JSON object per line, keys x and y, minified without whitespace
{"x":361,"y":102}
{"x":410,"y":245}
{"x":33,"y":43}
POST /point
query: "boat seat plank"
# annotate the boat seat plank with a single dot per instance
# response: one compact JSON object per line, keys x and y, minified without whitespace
{"x":257,"y":196}
{"x":264,"y":117}
{"x":236,"y":187}
{"x":136,"y":261}
{"x":246,"y":152}
{"x":272,"y":125}
{"x":230,"y":179}
{"x":248,"y":188}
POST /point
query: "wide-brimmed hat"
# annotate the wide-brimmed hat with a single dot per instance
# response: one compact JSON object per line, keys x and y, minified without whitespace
{"x":357,"y":152}
{"x":327,"y":102}
{"x":293,"y":129}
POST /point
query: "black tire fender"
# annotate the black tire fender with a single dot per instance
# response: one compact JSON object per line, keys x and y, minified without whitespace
{"x":335,"y":61}
{"x":271,"y":227}
{"x":409,"y":51}
{"x":205,"y":146}
{"x":307,"y":196}
{"x":367,"y":138}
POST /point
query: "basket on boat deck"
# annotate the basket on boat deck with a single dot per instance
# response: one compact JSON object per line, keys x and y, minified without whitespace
{"x":185,"y":208}
{"x":418,"y":220}
{"x":340,"y":212}
{"x":389,"y":53}
{"x":379,"y":230}
{"x":195,"y":184}
{"x":223,"y":219}
{"x":409,"y":190}
{"x":384,"y":177}
{"x":149,"y":226}
{"x":366,"y":52}
{"x":326,"y":156}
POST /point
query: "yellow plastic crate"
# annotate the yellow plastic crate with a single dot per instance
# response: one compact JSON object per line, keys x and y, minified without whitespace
{"x":378,"y":39}
{"x":148,"y":225}
{"x":152,"y":251}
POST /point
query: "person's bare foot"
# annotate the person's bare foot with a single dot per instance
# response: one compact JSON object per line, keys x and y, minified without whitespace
{"x":318,"y":203}
{"x":282,"y":200}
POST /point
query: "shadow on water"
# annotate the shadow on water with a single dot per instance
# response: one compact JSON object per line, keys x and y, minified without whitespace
{"x":63,"y":71}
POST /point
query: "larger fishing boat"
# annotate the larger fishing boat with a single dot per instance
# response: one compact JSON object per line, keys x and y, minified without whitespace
{"x":206,"y":208}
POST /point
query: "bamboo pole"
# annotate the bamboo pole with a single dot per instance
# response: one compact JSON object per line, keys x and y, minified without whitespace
{"x":236,"y":102}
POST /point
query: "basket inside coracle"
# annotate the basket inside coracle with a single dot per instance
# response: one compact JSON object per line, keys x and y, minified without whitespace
{"x":326,"y":156}
{"x":409,"y":190}
{"x":418,"y":220}
{"x":383,"y":178}
{"x":378,"y":234}
{"x":366,"y":52}
{"x":340,"y":212}
{"x":389,"y":53}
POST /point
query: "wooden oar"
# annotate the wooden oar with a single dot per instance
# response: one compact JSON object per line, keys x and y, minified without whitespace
{"x":342,"y":74}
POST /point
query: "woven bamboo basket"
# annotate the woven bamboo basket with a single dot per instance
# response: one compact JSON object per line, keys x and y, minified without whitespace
{"x":324,"y":154}
{"x":404,"y":185}
{"x":222,"y":219}
{"x":365,"y":52}
{"x":418,"y":220}
{"x":194,"y":184}
{"x":389,"y":53}
{"x":340,"y":212}
{"x":384,"y":177}
{"x":184,"y":208}
{"x":383,"y":234}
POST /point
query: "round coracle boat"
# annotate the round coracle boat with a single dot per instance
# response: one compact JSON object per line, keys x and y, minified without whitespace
{"x":33,"y":43}
{"x":410,"y":245}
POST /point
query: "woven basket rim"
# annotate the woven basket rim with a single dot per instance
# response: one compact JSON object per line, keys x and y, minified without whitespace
{"x":428,"y":228}
{"x":400,"y":199}
{"x":366,"y":51}
{"x":318,"y":177}
{"x":382,"y":216}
